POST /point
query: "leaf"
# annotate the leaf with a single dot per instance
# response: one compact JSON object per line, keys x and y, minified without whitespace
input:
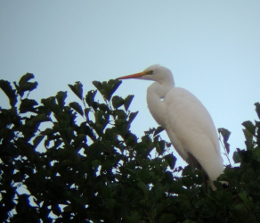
{"x":132,"y":116}
{"x":25,"y":78}
{"x":8,"y":90}
{"x":24,"y":85}
{"x":41,"y":118}
{"x":81,"y":138}
{"x":107,"y":88}
{"x":96,"y":163}
{"x":27,"y":105}
{"x":104,"y":107}
{"x":188,"y":221}
{"x":143,"y":187}
{"x":167,"y":218}
{"x":236,"y":157}
{"x":56,"y":209}
{"x":61,"y":96}
{"x":160,"y":147}
{"x":117,"y":101}
{"x":257,"y":109}
{"x":249,"y":139}
{"x":99,"y":129}
{"x":230,"y":173}
{"x":225,"y":134}
{"x":158,"y":130}
{"x":51,"y":104}
{"x":128,"y":101}
{"x":243,"y":197}
{"x":246,"y":156}
{"x":23,"y":203}
{"x":77,"y":88}
{"x":68,"y":209}
{"x":120,"y":114}
{"x":90,"y":98}
{"x":144,"y":176}
{"x":98,"y":116}
{"x":256,"y":152}
{"x":133,"y":217}
{"x":76,"y":106}
{"x":249,"y":126}
{"x":97,"y":84}
{"x":43,"y":110}
{"x":114,"y":85}
{"x":171,"y":159}
{"x":87,"y":131}
{"x":131,"y":140}
{"x":150,"y":131}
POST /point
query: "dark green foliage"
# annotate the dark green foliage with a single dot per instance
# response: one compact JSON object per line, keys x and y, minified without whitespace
{"x":225,"y":134}
{"x":80,"y":162}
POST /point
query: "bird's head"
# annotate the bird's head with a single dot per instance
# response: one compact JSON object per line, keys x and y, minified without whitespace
{"x":155,"y":72}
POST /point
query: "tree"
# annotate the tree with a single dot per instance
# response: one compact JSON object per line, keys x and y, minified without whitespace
{"x":80,"y":162}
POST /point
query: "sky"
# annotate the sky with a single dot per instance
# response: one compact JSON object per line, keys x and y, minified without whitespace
{"x":212,"y":48}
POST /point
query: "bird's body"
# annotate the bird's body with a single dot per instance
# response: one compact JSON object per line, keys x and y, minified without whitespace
{"x":185,"y":119}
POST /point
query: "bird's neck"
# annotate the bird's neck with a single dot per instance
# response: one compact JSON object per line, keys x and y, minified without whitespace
{"x":159,"y":90}
{"x":155,"y":96}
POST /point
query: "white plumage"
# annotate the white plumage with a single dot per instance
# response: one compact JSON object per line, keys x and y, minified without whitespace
{"x":185,"y":119}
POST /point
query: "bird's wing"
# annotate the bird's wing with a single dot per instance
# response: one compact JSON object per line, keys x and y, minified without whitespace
{"x":191,"y":130}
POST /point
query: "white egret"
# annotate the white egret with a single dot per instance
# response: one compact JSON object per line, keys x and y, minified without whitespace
{"x":185,"y":119}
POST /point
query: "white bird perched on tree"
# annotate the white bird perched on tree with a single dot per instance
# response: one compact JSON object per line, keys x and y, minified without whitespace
{"x":185,"y":119}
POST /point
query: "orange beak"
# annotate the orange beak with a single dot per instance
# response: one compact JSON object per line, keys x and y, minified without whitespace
{"x":137,"y":75}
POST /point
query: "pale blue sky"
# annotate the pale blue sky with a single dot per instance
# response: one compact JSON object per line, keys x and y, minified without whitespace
{"x":212,"y":48}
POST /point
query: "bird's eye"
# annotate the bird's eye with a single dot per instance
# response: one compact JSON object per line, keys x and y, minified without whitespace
{"x":149,"y":72}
